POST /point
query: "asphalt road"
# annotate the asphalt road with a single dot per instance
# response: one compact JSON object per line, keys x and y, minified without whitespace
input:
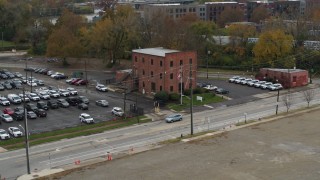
{"x":63,"y":153}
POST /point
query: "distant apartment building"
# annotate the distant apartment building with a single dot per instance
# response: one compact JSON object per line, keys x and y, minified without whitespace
{"x":159,"y":69}
{"x":215,"y":9}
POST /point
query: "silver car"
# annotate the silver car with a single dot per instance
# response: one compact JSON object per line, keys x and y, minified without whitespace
{"x":173,"y":118}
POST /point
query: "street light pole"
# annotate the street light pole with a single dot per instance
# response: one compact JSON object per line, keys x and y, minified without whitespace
{"x":191,"y":100}
{"x":208,"y":53}
{"x":26,"y":134}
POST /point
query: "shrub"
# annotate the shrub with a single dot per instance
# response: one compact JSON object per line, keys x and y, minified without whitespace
{"x":187,"y":92}
{"x":162,"y":95}
{"x":174,"y":96}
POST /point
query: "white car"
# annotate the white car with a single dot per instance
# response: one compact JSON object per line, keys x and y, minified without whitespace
{"x":238,"y":81}
{"x":32,"y":83}
{"x":25,"y":98}
{"x":245,"y":81}
{"x":266,"y":85}
{"x":6,"y":117}
{"x":54,"y":94}
{"x":33,"y":97}
{"x":117,"y":111}
{"x":234,"y":78}
{"x":211,"y":87}
{"x":64,"y":93}
{"x":72,"y":91}
{"x":251,"y":83}
{"x":4,"y":101}
{"x":15,"y":132}
{"x":56,"y":74}
{"x":274,"y":87}
{"x":4,"y":135}
{"x":44,"y":95}
{"x":86,"y":118}
{"x":101,"y":87}
{"x":258,"y":84}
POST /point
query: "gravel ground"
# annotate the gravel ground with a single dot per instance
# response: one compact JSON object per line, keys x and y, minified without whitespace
{"x":283,"y":149}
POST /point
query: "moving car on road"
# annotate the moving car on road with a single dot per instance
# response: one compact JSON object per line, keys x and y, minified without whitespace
{"x":101,"y":87}
{"x":173,"y":118}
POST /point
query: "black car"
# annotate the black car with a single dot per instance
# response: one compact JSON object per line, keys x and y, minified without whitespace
{"x":222,"y":91}
{"x":73,"y":101}
{"x":53,"y":104}
{"x":18,"y":116}
{"x":83,"y":99}
{"x":63,"y":103}
{"x":42,"y":105}
{"x":40,"y":113}
{"x":83,"y":106}
{"x":31,"y":107}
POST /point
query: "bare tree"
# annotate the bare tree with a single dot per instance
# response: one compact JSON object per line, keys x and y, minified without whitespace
{"x":308,"y":95}
{"x":287,"y":101}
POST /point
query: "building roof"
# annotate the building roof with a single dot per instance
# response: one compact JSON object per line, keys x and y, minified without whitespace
{"x":159,"y":51}
{"x":285,"y":70}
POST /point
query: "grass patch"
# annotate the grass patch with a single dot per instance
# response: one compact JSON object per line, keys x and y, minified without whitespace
{"x":208,"y":98}
{"x":6,"y":43}
{"x":83,"y":130}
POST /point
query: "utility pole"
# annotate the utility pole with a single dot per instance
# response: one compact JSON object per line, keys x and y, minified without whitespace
{"x":85,"y":69}
{"x":277,"y":102}
{"x":191,"y":101}
{"x":26,"y":131}
{"x":136,"y":106}
{"x":124,"y":101}
{"x":2,"y":40}
{"x":180,"y":84}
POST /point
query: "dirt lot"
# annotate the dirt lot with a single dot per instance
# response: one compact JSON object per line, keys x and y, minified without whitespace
{"x":284,"y":149}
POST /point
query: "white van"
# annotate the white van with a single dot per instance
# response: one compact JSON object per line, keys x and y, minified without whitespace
{"x":15,"y":99}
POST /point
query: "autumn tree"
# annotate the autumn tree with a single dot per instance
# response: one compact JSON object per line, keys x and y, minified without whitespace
{"x":65,"y":41}
{"x":230,"y":15}
{"x":259,"y":13}
{"x":272,"y":48}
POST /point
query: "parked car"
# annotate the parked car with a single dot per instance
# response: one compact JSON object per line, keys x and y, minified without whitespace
{"x":15,"y":132}
{"x":211,"y":87}
{"x":72,"y":91}
{"x":75,"y":80}
{"x":6,"y":118}
{"x":40,"y":113}
{"x":4,"y":101}
{"x":24,"y":98}
{"x":81,"y":82}
{"x":238,"y":81}
{"x":42,"y":105}
{"x":83,"y":106}
{"x":222,"y":91}
{"x":101,"y":87}
{"x":64,"y":93}
{"x":39,"y":82}
{"x":17,"y":116}
{"x":33,"y":97}
{"x":70,"y":80}
{"x":18,"y":74}
{"x":258,"y":84}
{"x":44,"y":95}
{"x":231,"y":80}
{"x":4,"y":135}
{"x":83,"y":99}
{"x":1,"y":87}
{"x":53,"y":104}
{"x":7,"y":85}
{"x":275,"y":87}
{"x":245,"y":81}
{"x":15,"y":99}
{"x":266,"y":85}
{"x":54,"y":94}
{"x":173,"y":118}
{"x":117,"y":111}
{"x":8,"y":111}
{"x":73,"y":101}
{"x":251,"y":83}
{"x":86,"y":118}
{"x":63,"y":103}
{"x":31,"y":107}
{"x":60,"y":76}
{"x":102,"y":103}
{"x":32,"y":83}
{"x":19,"y":109}
{"x":31,"y":115}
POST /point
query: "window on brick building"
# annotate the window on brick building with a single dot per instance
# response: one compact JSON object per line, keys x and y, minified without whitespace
{"x":160,"y":63}
{"x":181,"y":62}
{"x":151,"y":73}
{"x":171,"y":88}
{"x":143,"y":85}
{"x":160,"y":75}
{"x":171,"y":63}
{"x":143,"y":72}
{"x":160,"y":88}
{"x":151,"y":61}
{"x":153,"y":86}
{"x":171,"y":76}
{"x":143,"y":60}
{"x":190,"y":61}
{"x":135,"y":59}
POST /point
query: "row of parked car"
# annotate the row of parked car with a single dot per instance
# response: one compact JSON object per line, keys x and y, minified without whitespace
{"x":255,"y":83}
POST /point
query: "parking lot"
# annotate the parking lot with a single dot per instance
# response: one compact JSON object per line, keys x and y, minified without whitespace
{"x":68,"y":117}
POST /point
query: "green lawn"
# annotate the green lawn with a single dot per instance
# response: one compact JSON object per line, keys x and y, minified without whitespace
{"x":6,"y":43}
{"x":208,"y":98}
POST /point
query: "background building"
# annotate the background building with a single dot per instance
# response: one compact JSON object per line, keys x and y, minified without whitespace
{"x":159,"y":69}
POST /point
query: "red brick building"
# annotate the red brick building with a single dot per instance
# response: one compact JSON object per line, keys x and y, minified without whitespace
{"x":158,"y":69}
{"x":287,"y":77}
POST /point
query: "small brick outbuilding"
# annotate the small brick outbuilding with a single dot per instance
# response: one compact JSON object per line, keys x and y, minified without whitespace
{"x":289,"y":78}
